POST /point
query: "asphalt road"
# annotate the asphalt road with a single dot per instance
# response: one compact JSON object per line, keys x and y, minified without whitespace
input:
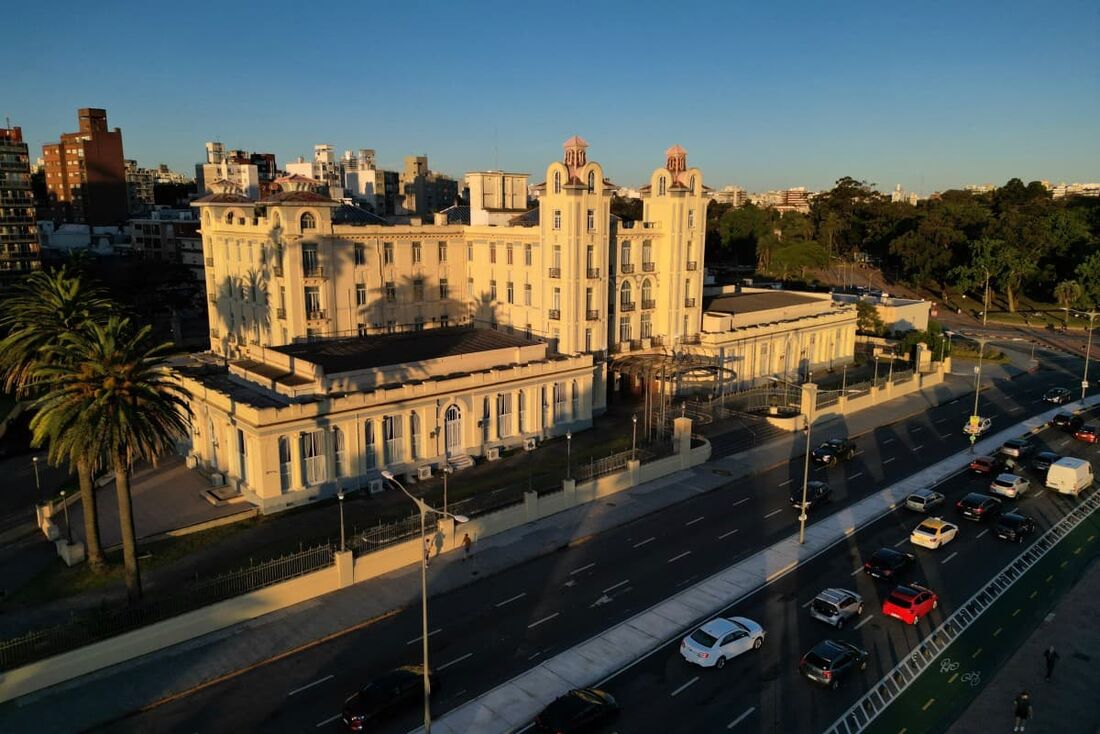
{"x":489,"y":631}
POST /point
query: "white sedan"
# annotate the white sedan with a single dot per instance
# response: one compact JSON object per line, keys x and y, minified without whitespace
{"x":721,"y":639}
{"x":980,"y":428}
{"x":1009,"y":485}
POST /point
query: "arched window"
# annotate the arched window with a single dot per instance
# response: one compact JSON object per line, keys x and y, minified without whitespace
{"x":661,"y":186}
{"x":647,"y":292}
{"x":284,"y":463}
{"x":370,"y":459}
{"x":229,"y":217}
{"x":338,"y":452}
{"x":522,"y":411}
{"x":276,"y":221}
{"x":557,"y":182}
{"x":308,"y":221}
{"x":414,"y":436}
{"x":576,"y":400}
{"x":626,"y":252}
{"x":591,"y":181}
{"x":206,"y":217}
{"x":626,"y":295}
{"x":691,"y":185}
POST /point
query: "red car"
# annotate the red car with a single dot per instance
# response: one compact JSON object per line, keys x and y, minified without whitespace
{"x":910,"y":603}
{"x":986,"y":465}
{"x":1088,"y":434}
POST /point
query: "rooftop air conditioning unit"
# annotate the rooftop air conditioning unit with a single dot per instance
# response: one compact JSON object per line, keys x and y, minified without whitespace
{"x":529,"y":444}
{"x":375,"y":486}
{"x":493,"y":454}
{"x":424,"y":472}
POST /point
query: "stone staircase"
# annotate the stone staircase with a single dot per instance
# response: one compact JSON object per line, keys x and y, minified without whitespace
{"x":460,"y":462}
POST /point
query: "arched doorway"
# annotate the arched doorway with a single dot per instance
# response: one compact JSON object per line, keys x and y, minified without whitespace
{"x":452,"y":431}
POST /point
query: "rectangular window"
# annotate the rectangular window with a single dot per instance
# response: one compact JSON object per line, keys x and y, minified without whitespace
{"x":360,"y":294}
{"x":313,"y":299}
{"x":313,"y":449}
{"x":527,"y":254}
{"x":492,"y":290}
{"x":576,"y":399}
{"x":469,"y":253}
{"x":339,"y":467}
{"x":361,"y":330}
{"x":555,"y":302}
{"x":418,"y":289}
{"x":470,"y":289}
{"x":416,"y":252}
{"x":493,"y":253}
{"x":523,"y":406}
{"x":309,"y":259}
{"x":387,"y":253}
{"x":418,"y":323}
{"x":391,"y":291}
{"x":284,"y":463}
{"x":444,"y":321}
{"x":504,"y":415}
{"x":647,"y":325}
{"x":559,"y":401}
{"x":414,"y":436}
{"x":588,"y":340}
{"x":624,"y":329}
{"x":590,"y":257}
{"x":508,"y":253}
{"x":360,"y":255}
{"x":588,"y":299}
{"x":691,"y":219}
{"x":526,"y":294}
{"x":369,"y":458}
{"x":242,"y":456}
{"x":557,"y":257}
{"x":444,"y":290}
{"x":442,"y":252}
{"x":511,"y":292}
{"x":391,"y":436}
{"x":591,"y":219}
{"x":557,"y":219}
{"x":647,"y":251}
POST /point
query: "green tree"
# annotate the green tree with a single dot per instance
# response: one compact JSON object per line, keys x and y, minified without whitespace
{"x":867,"y":319}
{"x":987,"y":263}
{"x":1088,"y":275}
{"x":742,"y":230}
{"x":39,"y":314}
{"x":797,"y":256}
{"x":1067,"y":293}
{"x":116,"y":387}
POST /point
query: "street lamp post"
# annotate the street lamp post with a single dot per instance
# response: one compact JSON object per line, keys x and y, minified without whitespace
{"x":424,"y":510}
{"x":876,"y":371}
{"x":340,"y":500}
{"x":844,"y":379}
{"x":37,"y":485}
{"x":1088,"y":350}
{"x":890,"y":377}
{"x":447,"y":471}
{"x":634,"y":437}
{"x":568,"y":454}
{"x":802,"y":517}
{"x":68,"y":526}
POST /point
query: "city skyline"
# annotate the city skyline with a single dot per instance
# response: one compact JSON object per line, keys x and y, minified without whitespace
{"x":767,"y":101}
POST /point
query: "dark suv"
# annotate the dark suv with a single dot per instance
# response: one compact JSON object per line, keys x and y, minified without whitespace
{"x":1068,"y":422}
{"x":1042,"y":460}
{"x":816,"y":493}
{"x":1017,"y":448}
{"x":977,"y":506}
{"x":385,"y":696}
{"x":887,"y":563}
{"x":832,"y":660}
{"x":833,"y":451}
{"x":1014,"y":526}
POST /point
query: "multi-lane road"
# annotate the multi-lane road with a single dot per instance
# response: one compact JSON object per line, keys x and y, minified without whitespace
{"x":491,"y":630}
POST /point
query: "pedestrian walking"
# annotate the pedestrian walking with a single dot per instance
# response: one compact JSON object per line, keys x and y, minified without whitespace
{"x":1051,"y":656}
{"x":1023,"y":710}
{"x":427,"y":550}
{"x":467,"y":547}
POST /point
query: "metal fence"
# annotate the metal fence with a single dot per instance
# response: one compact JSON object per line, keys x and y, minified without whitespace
{"x":384,"y":535}
{"x":99,"y":624}
{"x":609,"y":464}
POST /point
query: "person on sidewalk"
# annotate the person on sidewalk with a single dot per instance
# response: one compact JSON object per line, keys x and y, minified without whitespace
{"x":467,"y":547}
{"x":427,"y":550}
{"x":1023,"y":710}
{"x":1051,"y":656}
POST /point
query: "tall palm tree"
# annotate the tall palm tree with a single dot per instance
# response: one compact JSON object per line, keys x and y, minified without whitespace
{"x":117,"y":388}
{"x":41,"y":310}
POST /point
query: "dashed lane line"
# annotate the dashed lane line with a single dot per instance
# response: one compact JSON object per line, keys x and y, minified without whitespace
{"x":784,"y":484}
{"x":582,"y":568}
{"x":887,"y":461}
{"x":684,"y":687}
{"x":685,"y":554}
{"x":945,"y":560}
{"x":952,"y":678}
{"x":692,"y":522}
{"x":918,"y":448}
{"x":886,"y":441}
{"x":1018,"y":610}
{"x":518,"y":596}
{"x":741,"y":718}
{"x":901,"y":542}
{"x":858,"y":570}
{"x":865,"y":621}
{"x":773,"y":512}
{"x":647,"y":540}
{"x":417,"y":639}
{"x":544,"y":619}
{"x":997,"y":631}
{"x":983,"y":532}
{"x":327,"y":721}
{"x":723,"y":536}
{"x":624,"y":582}
{"x":307,"y":686}
{"x":976,"y":653}
{"x":856,"y":475}
{"x":741,"y":501}
{"x":456,"y":661}
{"x":927,"y":704}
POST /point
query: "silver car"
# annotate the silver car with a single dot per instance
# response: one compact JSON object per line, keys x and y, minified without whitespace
{"x":924,"y":500}
{"x":836,"y":606}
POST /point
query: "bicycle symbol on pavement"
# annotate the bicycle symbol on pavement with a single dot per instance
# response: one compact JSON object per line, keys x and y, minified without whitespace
{"x":947,"y":665}
{"x":973,"y":678}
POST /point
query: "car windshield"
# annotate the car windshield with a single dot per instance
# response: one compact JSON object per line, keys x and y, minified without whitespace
{"x":817,"y":661}
{"x":900,"y":601}
{"x":1011,"y":521}
{"x":703,"y":639}
{"x":927,"y":529}
{"x":586,"y":696}
{"x":917,"y":499}
{"x":882,"y":557}
{"x":825,"y":607}
{"x":1003,"y":482}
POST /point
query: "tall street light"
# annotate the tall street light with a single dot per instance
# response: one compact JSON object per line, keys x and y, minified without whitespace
{"x":340,"y":500}
{"x":634,"y":438}
{"x":459,"y":519}
{"x":802,"y":517}
{"x":1088,"y":350}
{"x":447,"y":471}
{"x":568,"y":454}
{"x":37,"y":485}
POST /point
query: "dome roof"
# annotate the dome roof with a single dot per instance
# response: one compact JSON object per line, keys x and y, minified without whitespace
{"x":306,"y":197}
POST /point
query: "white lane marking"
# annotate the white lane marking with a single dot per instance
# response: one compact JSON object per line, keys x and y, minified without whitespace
{"x":535,"y":655}
{"x":726,"y":535}
{"x":647,"y":540}
{"x":954,"y":401}
{"x":682,"y":688}
{"x":520,"y":595}
{"x":621,"y":583}
{"x":945,"y":560}
{"x":946,"y":435}
{"x":456,"y":661}
{"x":857,"y":474}
{"x":901,"y":542}
{"x":857,"y":571}
{"x":887,"y":461}
{"x":983,"y":532}
{"x":741,"y":718}
{"x":773,"y":512}
{"x":685,"y":554}
{"x":917,"y":428}
{"x":918,"y":448}
{"x":941,"y":420}
{"x":417,"y":639}
{"x":327,"y":721}
{"x":692,"y":522}
{"x":784,"y":484}
{"x":544,"y":619}
{"x":582,"y":568}
{"x":811,"y":601}
{"x":1017,"y":409}
{"x":741,"y":502}
{"x":310,"y":685}
{"x":888,"y":440}
{"x":865,"y":621}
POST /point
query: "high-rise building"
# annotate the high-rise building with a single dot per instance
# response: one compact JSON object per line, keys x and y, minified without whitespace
{"x":85,"y":172}
{"x":425,"y":191}
{"x":139,"y":187}
{"x":18,"y":234}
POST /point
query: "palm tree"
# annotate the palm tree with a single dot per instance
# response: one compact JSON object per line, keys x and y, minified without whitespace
{"x":1067,"y":292}
{"x":41,"y":310}
{"x":116,"y":389}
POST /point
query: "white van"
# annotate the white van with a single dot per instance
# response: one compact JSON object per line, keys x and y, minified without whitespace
{"x":1069,"y":475}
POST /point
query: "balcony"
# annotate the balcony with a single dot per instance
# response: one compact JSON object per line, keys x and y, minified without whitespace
{"x":692,"y":265}
{"x":626,"y":306}
{"x":209,"y":262}
{"x":691,"y":339}
{"x":592,"y":315}
{"x":555,"y":314}
{"x":648,"y":305}
{"x":593,"y":272}
{"x":555,"y":272}
{"x":278,"y":270}
{"x":280,"y":313}
{"x":689,"y":303}
{"x":627,"y":268}
{"x":649,"y":267}
{"x":314,"y":272}
{"x":315,"y":316}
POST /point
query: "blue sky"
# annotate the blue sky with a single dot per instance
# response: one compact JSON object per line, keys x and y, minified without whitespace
{"x":764,"y":95}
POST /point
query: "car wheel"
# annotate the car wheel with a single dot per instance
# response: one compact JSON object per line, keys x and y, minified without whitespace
{"x":935,"y":603}
{"x":840,"y":623}
{"x":720,"y":663}
{"x":834,"y":684}
{"x":863,"y":665}
{"x":859,"y":609}
{"x":758,"y":643}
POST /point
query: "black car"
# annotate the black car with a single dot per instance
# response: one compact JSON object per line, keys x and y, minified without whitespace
{"x":977,"y":506}
{"x":1068,"y":422}
{"x":1017,"y":448}
{"x":577,"y":711}
{"x":832,"y":660}
{"x":887,"y":563}
{"x":1013,"y":526}
{"x":1057,"y":395}
{"x":816,"y":493}
{"x":1043,"y":460}
{"x":385,"y":696}
{"x":833,"y":451}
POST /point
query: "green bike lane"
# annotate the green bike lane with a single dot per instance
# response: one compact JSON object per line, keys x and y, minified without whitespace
{"x":958,"y":676}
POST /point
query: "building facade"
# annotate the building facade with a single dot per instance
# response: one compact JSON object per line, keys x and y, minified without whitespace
{"x":19,"y":252}
{"x":169,"y":235}
{"x":139,"y":188}
{"x":425,"y":191}
{"x":85,"y":173}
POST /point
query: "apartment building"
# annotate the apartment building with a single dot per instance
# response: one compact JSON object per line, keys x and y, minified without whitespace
{"x":85,"y":173}
{"x":19,"y":252}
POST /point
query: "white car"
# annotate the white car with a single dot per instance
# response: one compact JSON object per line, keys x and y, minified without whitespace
{"x":982,"y":427}
{"x":1010,"y":485}
{"x":933,"y":533}
{"x":721,"y":639}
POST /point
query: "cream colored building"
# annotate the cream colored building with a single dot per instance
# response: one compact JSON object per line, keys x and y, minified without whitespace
{"x":347,"y":345}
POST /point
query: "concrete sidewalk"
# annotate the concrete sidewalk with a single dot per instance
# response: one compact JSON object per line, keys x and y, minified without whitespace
{"x":1068,"y":701}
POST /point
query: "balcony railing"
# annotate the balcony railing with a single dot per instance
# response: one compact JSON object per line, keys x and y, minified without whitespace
{"x":627,"y":267}
{"x":314,"y":272}
{"x":555,"y":272}
{"x":649,"y":267}
{"x":315,"y":316}
{"x":555,"y":314}
{"x":692,"y":265}
{"x":280,"y":313}
{"x":626,"y":306}
{"x":209,"y":262}
{"x":689,"y":303}
{"x":647,"y":305}
{"x":592,"y":315}
{"x":278,"y":270}
{"x":691,"y":339}
{"x":593,"y":272}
